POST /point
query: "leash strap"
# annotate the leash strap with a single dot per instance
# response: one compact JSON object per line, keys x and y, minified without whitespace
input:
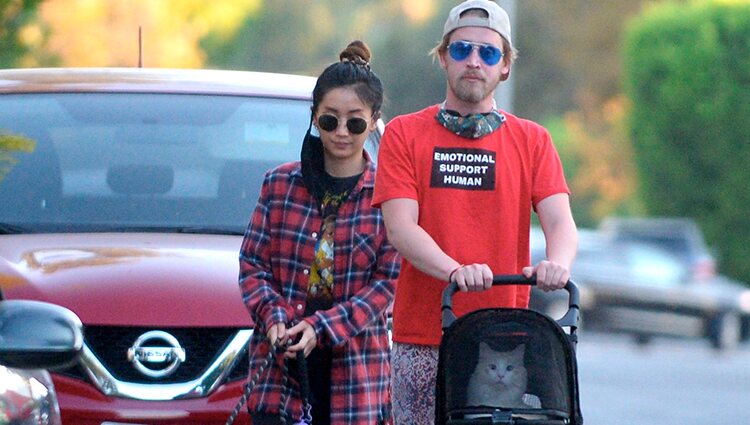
{"x":249,"y":387}
{"x":304,"y":387}
{"x":304,"y":383}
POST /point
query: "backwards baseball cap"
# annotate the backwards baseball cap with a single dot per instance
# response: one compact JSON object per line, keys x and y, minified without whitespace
{"x":497,"y":19}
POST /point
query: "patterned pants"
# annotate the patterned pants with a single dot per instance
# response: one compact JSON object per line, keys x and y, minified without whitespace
{"x":413,"y":380}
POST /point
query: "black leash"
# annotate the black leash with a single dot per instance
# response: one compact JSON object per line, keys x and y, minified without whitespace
{"x":304,"y":386}
{"x":304,"y":383}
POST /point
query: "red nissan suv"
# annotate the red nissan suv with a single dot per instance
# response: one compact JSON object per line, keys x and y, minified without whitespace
{"x":124,"y":195}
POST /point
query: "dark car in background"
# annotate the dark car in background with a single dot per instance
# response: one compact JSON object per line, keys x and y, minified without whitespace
{"x":125,"y":197}
{"x":555,"y":304}
{"x":680,"y":236}
{"x":642,"y":289}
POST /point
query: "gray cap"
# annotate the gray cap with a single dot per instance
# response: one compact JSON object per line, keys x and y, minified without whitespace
{"x":497,"y":19}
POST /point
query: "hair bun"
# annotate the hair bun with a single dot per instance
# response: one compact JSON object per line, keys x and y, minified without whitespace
{"x":356,"y":52}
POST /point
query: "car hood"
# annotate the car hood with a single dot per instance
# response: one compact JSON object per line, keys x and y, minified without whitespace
{"x":144,"y":279}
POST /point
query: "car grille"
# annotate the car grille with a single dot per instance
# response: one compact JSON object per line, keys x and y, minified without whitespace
{"x":202,"y":345}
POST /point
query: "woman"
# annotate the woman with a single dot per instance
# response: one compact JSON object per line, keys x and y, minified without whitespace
{"x":316,"y":270}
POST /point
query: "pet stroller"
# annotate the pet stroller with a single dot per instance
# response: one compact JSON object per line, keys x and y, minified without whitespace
{"x":551,"y":395}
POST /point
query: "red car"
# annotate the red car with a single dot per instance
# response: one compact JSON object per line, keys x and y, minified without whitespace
{"x":124,"y":196}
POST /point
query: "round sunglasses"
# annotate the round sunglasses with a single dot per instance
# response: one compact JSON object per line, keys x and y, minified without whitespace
{"x":355,"y":125}
{"x":461,"y":49}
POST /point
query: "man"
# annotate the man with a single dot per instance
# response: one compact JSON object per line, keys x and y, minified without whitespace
{"x":456,"y":183}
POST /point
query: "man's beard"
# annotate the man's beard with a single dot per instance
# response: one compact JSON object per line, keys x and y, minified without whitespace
{"x":474,"y":91}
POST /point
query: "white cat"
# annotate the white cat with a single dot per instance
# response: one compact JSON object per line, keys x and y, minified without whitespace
{"x":499,"y":380}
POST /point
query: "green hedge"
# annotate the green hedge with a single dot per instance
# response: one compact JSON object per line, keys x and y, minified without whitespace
{"x":687,"y":73}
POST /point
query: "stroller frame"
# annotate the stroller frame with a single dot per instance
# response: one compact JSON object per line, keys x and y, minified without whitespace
{"x":550,"y":360}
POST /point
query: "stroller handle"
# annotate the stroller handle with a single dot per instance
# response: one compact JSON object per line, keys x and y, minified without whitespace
{"x":570,"y":319}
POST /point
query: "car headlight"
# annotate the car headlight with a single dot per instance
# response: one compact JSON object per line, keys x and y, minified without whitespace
{"x":27,"y":397}
{"x":745,"y":301}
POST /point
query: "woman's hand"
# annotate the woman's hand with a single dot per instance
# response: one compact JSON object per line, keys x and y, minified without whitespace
{"x":307,"y":341}
{"x":277,"y":334}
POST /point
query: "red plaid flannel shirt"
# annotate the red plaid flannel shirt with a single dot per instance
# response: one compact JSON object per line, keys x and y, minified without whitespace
{"x":275,"y":260}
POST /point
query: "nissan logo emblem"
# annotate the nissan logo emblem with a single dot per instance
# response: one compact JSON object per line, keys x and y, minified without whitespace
{"x":156,"y":354}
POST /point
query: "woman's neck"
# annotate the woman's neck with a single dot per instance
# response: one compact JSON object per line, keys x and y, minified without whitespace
{"x":345,"y":168}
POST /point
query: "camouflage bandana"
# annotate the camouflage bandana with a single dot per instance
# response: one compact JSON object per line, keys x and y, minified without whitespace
{"x":471,"y":126}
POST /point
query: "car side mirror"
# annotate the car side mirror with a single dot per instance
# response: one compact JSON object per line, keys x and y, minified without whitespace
{"x":38,"y":335}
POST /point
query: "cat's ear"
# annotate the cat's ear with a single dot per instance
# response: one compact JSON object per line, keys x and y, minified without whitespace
{"x":483,"y":348}
{"x":519,"y":350}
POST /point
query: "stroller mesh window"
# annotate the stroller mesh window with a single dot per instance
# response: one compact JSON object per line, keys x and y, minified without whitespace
{"x":549,"y":357}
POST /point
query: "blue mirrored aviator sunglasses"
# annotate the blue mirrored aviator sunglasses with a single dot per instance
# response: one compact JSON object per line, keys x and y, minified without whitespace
{"x":460,"y":50}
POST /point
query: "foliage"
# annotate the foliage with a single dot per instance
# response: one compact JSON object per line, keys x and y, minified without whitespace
{"x":568,"y":51}
{"x":400,"y":34}
{"x":18,"y":34}
{"x":10,"y":143}
{"x":598,"y":162}
{"x":568,"y":54}
{"x":688,"y":75}
{"x":106,"y":33}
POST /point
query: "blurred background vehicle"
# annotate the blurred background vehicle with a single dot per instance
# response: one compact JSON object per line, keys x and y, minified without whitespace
{"x":34,"y":336}
{"x":641,"y":289}
{"x":555,"y":304}
{"x":679,"y":235}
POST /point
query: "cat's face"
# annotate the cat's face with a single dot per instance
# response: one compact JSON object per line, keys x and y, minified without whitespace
{"x":501,"y":368}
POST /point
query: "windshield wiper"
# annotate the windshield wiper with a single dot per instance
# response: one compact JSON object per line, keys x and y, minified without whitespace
{"x":12,"y":229}
{"x":211,"y":230}
{"x":205,"y":230}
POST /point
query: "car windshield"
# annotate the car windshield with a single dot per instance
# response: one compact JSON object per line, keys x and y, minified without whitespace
{"x":671,"y":244}
{"x":130,"y":161}
{"x":652,"y":265}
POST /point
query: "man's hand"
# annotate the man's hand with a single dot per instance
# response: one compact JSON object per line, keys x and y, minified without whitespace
{"x":550,"y":276}
{"x":473,"y":277}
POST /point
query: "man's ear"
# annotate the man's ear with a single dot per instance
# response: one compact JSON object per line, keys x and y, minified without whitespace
{"x":441,"y":58}
{"x":506,"y":71}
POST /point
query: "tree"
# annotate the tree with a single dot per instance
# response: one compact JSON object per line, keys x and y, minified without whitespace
{"x":18,"y":34}
{"x":568,"y":55}
{"x":568,"y":77}
{"x":598,"y":160}
{"x":400,"y":34}
{"x":106,"y":33}
{"x":686,"y":73}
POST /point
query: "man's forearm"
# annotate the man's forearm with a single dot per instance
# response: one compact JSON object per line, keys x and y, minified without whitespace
{"x":418,"y":247}
{"x":559,"y":228}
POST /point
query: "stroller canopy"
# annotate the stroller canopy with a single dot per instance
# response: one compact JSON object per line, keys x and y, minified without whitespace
{"x":549,"y":359}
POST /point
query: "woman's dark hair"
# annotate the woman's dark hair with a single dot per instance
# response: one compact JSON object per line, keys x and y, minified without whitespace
{"x":353,"y":69}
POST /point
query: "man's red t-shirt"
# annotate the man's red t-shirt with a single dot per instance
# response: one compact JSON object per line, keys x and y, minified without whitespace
{"x":475,"y":198}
